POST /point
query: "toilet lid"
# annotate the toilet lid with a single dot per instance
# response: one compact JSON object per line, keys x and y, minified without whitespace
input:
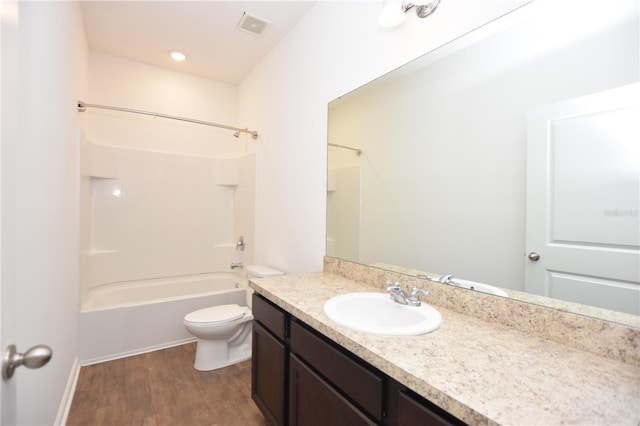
{"x":222,"y":313}
{"x":261,"y":271}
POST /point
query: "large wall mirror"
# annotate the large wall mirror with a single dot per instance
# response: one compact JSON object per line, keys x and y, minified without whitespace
{"x":509,"y":158}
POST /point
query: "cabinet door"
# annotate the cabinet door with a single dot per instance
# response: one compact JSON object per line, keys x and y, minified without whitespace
{"x":313,"y":402}
{"x":268,"y":375}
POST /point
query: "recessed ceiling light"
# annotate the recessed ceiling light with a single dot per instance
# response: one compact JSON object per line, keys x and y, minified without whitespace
{"x":177,"y":56}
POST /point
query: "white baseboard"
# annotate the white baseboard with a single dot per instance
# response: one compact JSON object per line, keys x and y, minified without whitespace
{"x":126,"y":354}
{"x":67,"y":397}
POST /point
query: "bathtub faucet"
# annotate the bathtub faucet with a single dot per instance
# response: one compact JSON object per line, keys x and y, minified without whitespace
{"x":240,"y":244}
{"x":235,"y":265}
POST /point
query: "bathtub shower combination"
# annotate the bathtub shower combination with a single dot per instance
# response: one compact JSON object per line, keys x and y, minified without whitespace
{"x":158,"y":233}
{"x":135,"y":317}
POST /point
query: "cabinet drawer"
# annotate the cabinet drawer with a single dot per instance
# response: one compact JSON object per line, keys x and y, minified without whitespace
{"x":269,"y":315}
{"x":362,"y":385}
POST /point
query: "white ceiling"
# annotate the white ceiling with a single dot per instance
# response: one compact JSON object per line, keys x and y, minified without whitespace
{"x":206,"y":31}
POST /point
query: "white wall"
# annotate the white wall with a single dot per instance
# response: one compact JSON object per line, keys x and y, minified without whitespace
{"x":123,"y":83}
{"x":42,"y":187}
{"x":335,"y":48}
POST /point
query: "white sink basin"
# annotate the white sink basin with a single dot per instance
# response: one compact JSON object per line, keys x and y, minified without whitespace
{"x":376,"y":313}
{"x":484,"y":288}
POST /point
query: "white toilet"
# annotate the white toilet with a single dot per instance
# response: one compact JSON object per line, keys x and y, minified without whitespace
{"x":224,"y":332}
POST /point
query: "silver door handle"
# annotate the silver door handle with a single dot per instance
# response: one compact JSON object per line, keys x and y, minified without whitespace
{"x":533,"y":256}
{"x":35,"y":357}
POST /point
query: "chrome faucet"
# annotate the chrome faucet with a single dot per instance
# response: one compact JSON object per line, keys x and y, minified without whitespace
{"x":446,"y":279}
{"x":235,"y":265}
{"x":240,"y":244}
{"x":397,"y":294}
{"x":413,"y":299}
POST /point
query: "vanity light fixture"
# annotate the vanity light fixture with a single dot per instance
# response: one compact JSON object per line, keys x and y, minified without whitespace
{"x":393,"y":12}
{"x":177,"y":55}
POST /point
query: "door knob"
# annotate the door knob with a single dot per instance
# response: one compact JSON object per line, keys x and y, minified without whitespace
{"x":533,"y":256}
{"x":35,"y":357}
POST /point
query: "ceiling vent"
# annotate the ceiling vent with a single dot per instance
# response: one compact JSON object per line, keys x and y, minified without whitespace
{"x":252,"y":24}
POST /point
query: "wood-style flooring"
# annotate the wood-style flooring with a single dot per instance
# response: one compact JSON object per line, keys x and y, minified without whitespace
{"x":163,"y":388}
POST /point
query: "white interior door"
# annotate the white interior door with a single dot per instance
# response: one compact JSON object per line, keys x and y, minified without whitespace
{"x":38,"y":213}
{"x":8,"y":133}
{"x":583,"y":200}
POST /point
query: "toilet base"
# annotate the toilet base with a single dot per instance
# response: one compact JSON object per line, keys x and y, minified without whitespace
{"x":212,"y":354}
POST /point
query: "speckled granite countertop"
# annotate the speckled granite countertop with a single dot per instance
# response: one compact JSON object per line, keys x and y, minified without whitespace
{"x":481,"y":372}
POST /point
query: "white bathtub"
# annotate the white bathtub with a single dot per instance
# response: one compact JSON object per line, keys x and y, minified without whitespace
{"x":124,"y":319}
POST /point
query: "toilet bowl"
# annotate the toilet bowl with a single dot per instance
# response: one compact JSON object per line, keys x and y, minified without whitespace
{"x":224,"y":331}
{"x":224,"y":335}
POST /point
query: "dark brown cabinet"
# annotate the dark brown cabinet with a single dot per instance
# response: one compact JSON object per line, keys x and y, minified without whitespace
{"x":412,"y":412}
{"x":314,"y":402}
{"x":363,"y":386}
{"x":269,"y":366}
{"x":302,"y":378}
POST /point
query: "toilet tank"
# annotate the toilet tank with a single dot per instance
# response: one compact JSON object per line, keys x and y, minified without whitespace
{"x":259,"y":271}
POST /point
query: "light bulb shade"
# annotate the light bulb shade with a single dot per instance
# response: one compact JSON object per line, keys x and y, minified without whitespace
{"x":391,"y":15}
{"x":177,"y":56}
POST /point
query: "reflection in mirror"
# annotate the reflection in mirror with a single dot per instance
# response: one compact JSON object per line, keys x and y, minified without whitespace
{"x":515,"y":142}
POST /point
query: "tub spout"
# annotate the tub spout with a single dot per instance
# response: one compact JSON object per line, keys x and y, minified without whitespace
{"x":235,"y":265}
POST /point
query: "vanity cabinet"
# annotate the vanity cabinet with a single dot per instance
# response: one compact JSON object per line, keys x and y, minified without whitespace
{"x":362,"y":387}
{"x":302,"y":378}
{"x":406,"y":408}
{"x":269,"y":361}
{"x":315,"y":402}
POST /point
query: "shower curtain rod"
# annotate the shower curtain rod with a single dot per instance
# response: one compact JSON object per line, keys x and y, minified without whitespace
{"x":82,"y":106}
{"x":357,"y":150}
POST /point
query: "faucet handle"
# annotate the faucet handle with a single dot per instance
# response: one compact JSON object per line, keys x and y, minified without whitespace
{"x":414,"y":300}
{"x":393,"y":285}
{"x":240,"y":244}
{"x":397,"y":294}
{"x":444,"y":279}
{"x":428,"y":278}
{"x":415,"y":291}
